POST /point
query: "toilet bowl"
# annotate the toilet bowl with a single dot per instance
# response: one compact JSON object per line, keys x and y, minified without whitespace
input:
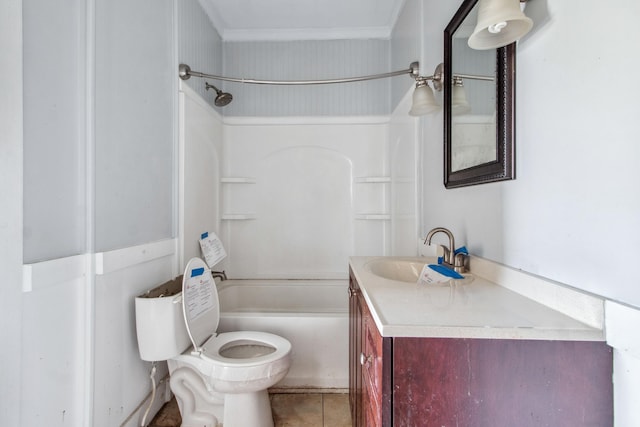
{"x":216,"y":378}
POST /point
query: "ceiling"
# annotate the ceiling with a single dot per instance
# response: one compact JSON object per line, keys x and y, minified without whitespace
{"x":303,"y":19}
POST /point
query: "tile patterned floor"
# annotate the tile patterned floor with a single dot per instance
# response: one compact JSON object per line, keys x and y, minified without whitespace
{"x":311,"y":410}
{"x":289,"y":410}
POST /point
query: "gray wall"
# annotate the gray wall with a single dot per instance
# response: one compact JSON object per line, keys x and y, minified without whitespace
{"x":54,"y":129}
{"x":199,"y":46}
{"x":406,"y":48}
{"x":119,"y":186}
{"x":134,"y":117}
{"x":302,"y":60}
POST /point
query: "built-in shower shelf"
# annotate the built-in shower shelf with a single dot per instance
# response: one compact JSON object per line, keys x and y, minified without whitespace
{"x":238,"y":217}
{"x":237,"y":180}
{"x":373,"y":216}
{"x":372,"y":179}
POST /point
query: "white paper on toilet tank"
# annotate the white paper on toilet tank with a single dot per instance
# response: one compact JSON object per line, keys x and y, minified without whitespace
{"x":212,"y":248}
{"x":198,"y":288}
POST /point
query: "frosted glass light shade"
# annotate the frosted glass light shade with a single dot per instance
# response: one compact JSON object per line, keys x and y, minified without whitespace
{"x":423,"y":100}
{"x":459,"y":103}
{"x":500,"y":22}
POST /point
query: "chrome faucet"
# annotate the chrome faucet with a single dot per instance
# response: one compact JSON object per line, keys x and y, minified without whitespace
{"x":450,"y":259}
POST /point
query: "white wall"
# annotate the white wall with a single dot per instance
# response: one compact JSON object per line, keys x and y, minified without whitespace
{"x":576,"y":159}
{"x":473,"y":214}
{"x":577,"y":151}
{"x":54,"y":347}
{"x":623,"y":337}
{"x":404,"y":159}
{"x":572,"y":213}
{"x":122,"y":386}
{"x":574,"y":194}
{"x":11,"y":210}
{"x":200,"y":158}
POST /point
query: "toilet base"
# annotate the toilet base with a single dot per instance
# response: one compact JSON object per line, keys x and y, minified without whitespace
{"x":248,"y":410}
{"x":201,"y":407}
{"x":198,"y":406}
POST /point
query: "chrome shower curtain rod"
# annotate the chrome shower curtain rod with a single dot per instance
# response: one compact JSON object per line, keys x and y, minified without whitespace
{"x":185,"y":72}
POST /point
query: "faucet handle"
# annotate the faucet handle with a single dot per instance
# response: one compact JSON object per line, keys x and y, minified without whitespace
{"x":442,"y":252}
{"x":460,"y":261}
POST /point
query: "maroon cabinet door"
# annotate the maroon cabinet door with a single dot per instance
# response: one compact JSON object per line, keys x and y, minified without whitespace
{"x":371,"y":361}
{"x":376,"y":372}
{"x":370,"y":366}
{"x":501,"y":383}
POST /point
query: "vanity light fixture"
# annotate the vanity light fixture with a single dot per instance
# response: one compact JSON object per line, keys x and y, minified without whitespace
{"x":459,"y":103}
{"x":424,"y":102}
{"x":500,"y":22}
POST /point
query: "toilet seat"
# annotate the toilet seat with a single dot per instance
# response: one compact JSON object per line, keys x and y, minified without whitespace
{"x":213,"y":346}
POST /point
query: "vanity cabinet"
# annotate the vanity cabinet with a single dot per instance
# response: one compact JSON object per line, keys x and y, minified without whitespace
{"x":369,"y":366}
{"x":414,"y":382}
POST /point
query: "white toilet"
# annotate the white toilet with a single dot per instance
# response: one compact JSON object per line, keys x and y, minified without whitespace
{"x":216,"y":378}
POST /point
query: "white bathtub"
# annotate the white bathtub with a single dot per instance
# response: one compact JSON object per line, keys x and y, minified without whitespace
{"x":312,"y":314}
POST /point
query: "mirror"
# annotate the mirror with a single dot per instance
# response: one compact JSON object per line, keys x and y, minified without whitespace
{"x":479,"y":106}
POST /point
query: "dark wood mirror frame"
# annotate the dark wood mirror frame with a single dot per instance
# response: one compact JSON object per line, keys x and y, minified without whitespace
{"x":504,"y":167}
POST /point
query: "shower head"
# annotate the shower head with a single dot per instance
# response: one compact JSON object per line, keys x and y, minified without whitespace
{"x":222,"y":98}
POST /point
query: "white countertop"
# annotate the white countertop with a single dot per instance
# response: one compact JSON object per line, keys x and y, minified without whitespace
{"x":475,"y":307}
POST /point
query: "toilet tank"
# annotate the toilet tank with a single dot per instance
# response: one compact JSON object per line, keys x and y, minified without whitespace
{"x":160,"y":323}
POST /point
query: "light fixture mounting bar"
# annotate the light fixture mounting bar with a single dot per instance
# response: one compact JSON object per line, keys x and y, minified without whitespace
{"x":436,"y":78}
{"x":474,"y":77}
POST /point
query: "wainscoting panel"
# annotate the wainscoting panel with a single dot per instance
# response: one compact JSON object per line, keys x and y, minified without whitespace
{"x":121,"y":378}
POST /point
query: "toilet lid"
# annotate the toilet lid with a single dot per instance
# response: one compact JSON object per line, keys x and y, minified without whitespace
{"x":200,"y":305}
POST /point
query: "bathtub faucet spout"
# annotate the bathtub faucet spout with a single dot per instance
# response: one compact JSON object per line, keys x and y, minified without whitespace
{"x":219,"y":274}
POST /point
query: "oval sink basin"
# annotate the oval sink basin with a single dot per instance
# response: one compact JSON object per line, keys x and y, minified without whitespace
{"x":407,"y":269}
{"x":397,"y":269}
